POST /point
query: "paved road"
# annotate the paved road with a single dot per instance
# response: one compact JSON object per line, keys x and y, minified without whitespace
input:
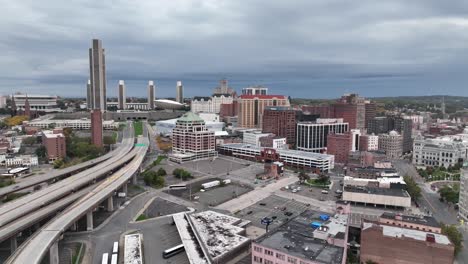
{"x":430,"y":199}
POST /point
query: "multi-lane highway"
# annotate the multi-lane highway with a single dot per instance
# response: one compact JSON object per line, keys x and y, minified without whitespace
{"x":35,"y":248}
{"x":56,"y":174}
{"x":28,"y":210}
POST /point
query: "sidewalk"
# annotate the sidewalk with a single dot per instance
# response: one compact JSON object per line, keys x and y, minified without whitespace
{"x":255,"y":195}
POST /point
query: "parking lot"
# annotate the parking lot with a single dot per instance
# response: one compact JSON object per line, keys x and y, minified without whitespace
{"x":212,"y":196}
{"x":274,"y":207}
{"x":317,"y":192}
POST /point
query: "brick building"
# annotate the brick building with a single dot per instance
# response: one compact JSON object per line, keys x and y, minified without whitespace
{"x":251,"y":108}
{"x":324,"y":111}
{"x":96,"y":127}
{"x":388,"y":244}
{"x":371,"y":112}
{"x":54,"y":142}
{"x":340,"y":145}
{"x":280,"y":121}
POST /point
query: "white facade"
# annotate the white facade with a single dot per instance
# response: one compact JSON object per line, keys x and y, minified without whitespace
{"x":392,"y":144}
{"x":372,"y":142}
{"x":36,"y":102}
{"x":3,"y":102}
{"x":312,"y":136}
{"x":355,"y":133}
{"x":22,"y":160}
{"x":463,"y":201}
{"x":253,"y":138}
{"x":279,"y":143}
{"x":79,"y":124}
{"x":293,"y":158}
{"x":444,"y":151}
{"x":165,"y":127}
{"x":210,"y":104}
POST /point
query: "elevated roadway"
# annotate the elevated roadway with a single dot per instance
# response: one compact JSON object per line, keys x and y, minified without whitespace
{"x":46,"y":239}
{"x":57,"y":174}
{"x":15,"y":209}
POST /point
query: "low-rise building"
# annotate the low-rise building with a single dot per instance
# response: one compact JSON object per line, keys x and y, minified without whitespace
{"x":273,"y":141}
{"x":394,"y":197}
{"x":388,"y":244}
{"x":443,"y":151}
{"x":292,"y":158}
{"x":20,"y":160}
{"x":423,"y":222}
{"x":312,"y":237}
{"x":77,"y":124}
{"x":253,"y":137}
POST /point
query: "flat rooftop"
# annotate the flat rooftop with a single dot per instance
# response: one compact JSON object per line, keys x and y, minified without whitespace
{"x":377,"y":191}
{"x":287,"y":152}
{"x":423,"y":220}
{"x":300,"y":239}
{"x":399,"y":232}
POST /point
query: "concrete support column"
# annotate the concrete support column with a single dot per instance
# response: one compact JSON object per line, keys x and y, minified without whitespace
{"x":110,"y":204}
{"x":89,"y":221}
{"x":54,"y":254}
{"x":125,"y":188}
{"x":13,"y":244}
{"x":134,"y":179}
{"x":74,"y":227}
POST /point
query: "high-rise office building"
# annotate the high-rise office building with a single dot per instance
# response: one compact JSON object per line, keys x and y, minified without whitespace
{"x":371,"y":112}
{"x":312,"y":136}
{"x":97,"y":77}
{"x":97,"y":74}
{"x":280,"y":121}
{"x":180,"y":92}
{"x":405,"y":127}
{"x":251,"y":108}
{"x":122,"y":96}
{"x":89,"y":92}
{"x":192,"y":140}
{"x":392,"y":144}
{"x":223,"y":88}
{"x":340,"y":145}
{"x":151,"y":95}
{"x":255,"y":90}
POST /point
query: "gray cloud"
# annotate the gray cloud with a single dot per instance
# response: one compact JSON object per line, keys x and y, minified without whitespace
{"x":305,"y":48}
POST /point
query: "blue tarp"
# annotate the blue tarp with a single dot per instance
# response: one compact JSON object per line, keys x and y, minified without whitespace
{"x":324,"y":217}
{"x":315,"y":224}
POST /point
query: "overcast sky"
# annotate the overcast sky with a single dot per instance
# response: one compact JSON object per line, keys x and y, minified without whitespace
{"x":309,"y":49}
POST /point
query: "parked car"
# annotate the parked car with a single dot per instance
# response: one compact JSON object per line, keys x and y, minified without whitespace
{"x":249,"y":212}
{"x":339,"y":191}
{"x":324,"y":191}
{"x":262,"y":204}
{"x":288,"y":213}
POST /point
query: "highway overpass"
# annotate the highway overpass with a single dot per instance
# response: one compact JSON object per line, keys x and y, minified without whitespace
{"x":46,"y":239}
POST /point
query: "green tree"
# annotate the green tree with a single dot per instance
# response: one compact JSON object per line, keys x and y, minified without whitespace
{"x":161,"y":172}
{"x":153,"y":179}
{"x":454,"y":235}
{"x":450,"y":193}
{"x":29,"y":140}
{"x":108,"y":140}
{"x":58,"y":163}
{"x":412,"y":187}
{"x":303,"y":177}
{"x":41,"y":152}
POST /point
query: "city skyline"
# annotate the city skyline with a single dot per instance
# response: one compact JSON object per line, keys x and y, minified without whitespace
{"x":313,"y":50}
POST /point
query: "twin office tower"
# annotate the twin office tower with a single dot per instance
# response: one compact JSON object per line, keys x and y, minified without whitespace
{"x":96,"y":89}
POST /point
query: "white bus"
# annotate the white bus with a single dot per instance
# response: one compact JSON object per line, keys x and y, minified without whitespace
{"x":105,"y":258}
{"x":115,"y":249}
{"x":173,"y":251}
{"x":114,"y":259}
{"x":177,"y":187}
